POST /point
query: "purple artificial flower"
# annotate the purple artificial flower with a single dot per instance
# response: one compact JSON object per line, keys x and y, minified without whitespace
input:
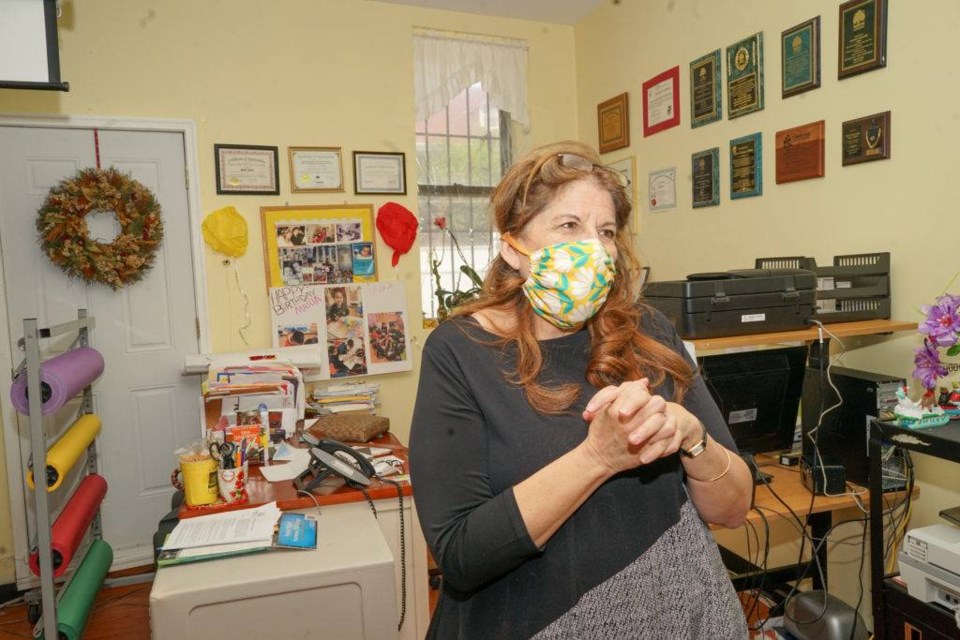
{"x":928,"y":365}
{"x":942,"y":324}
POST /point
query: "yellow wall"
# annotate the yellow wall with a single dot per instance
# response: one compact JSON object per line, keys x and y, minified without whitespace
{"x":339,"y":73}
{"x":283,"y":73}
{"x":905,"y":205}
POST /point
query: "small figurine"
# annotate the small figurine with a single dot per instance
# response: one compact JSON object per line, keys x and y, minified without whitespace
{"x":944,"y":396}
{"x":918,"y":415}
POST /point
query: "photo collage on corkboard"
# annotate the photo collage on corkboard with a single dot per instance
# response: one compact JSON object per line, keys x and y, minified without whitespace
{"x":327,"y":253}
{"x":318,"y":245}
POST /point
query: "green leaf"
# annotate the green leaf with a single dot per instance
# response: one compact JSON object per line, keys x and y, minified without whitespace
{"x":954,"y":350}
{"x":470,"y":273}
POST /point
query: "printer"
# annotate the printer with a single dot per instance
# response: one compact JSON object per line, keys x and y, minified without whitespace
{"x":930,"y":564}
{"x":736,"y":302}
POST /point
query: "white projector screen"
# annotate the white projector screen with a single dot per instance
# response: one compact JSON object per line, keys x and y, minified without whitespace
{"x":29,"y":53}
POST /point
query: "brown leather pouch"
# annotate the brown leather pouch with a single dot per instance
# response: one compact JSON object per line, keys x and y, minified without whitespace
{"x":351,"y":427}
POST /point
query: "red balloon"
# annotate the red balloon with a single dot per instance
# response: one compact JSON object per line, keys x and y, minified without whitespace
{"x":398,"y":228}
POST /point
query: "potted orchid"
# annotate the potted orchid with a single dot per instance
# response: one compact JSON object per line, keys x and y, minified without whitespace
{"x":448,"y":299}
{"x":941,"y":330}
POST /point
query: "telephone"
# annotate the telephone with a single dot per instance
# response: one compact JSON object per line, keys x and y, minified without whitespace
{"x":324,"y":461}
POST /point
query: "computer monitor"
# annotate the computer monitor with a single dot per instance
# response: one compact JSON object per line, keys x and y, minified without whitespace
{"x":758,"y":393}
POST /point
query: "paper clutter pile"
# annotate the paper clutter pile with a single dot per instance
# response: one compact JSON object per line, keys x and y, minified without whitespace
{"x":345,"y":398}
{"x":266,"y":398}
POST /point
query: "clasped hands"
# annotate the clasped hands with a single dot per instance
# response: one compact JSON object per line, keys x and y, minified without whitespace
{"x":630,"y":427}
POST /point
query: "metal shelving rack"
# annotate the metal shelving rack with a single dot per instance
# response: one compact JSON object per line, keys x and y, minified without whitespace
{"x":30,"y":345}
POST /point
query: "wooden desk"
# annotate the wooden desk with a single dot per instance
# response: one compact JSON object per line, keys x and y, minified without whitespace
{"x":285,"y":494}
{"x":839,"y":329}
{"x":400,"y":527}
{"x":817,"y":514}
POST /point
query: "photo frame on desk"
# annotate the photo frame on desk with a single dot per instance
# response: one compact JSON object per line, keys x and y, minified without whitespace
{"x":379,"y":172}
{"x":318,"y":244}
{"x":246,"y":169}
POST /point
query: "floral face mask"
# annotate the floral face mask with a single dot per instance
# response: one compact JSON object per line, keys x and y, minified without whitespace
{"x":568,"y":281}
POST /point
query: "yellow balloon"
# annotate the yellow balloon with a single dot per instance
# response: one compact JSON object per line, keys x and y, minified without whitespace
{"x":225,"y":231}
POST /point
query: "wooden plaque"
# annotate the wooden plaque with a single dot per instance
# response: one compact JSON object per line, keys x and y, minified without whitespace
{"x":800,"y":152}
{"x":613,"y":123}
{"x":862,"y":44}
{"x":866,"y":139}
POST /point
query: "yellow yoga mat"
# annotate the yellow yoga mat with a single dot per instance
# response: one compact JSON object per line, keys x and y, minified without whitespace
{"x":64,"y":454}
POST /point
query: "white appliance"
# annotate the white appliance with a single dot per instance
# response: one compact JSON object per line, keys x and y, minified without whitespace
{"x":930,"y":564}
{"x":343,"y":589}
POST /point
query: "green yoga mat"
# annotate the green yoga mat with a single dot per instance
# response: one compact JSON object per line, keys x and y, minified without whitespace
{"x":75,"y":605}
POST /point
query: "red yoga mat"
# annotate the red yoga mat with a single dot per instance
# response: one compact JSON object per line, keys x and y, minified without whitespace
{"x":68,"y":531}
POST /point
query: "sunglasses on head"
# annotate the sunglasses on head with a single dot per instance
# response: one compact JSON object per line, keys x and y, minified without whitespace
{"x":578,"y":162}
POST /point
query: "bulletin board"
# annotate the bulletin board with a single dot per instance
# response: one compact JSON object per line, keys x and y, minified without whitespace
{"x":310,"y":245}
{"x":361,"y":329}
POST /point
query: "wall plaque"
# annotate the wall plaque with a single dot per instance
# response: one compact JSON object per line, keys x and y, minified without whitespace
{"x":862,"y":37}
{"x":746,"y":166}
{"x":866,"y":139}
{"x":800,"y":152}
{"x":745,"y":76}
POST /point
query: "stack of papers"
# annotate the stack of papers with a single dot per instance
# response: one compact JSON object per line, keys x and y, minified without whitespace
{"x":231,"y":388}
{"x":231,"y":533}
{"x":339,"y":398}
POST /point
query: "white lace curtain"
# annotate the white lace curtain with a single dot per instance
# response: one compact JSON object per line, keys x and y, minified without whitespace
{"x":447,"y":63}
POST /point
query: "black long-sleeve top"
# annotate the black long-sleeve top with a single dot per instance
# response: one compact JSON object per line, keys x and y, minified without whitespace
{"x":474,"y":437}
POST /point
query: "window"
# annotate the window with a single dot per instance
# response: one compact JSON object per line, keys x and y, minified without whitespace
{"x":462,"y":152}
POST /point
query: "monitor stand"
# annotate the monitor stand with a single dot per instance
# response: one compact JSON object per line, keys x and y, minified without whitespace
{"x":759,"y":477}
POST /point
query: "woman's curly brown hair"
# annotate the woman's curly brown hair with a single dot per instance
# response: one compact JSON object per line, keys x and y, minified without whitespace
{"x":619,"y":350}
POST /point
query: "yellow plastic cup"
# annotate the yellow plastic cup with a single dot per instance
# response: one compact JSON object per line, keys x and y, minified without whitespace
{"x":197,"y":478}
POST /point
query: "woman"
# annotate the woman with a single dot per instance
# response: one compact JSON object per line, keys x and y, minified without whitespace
{"x":563,"y":450}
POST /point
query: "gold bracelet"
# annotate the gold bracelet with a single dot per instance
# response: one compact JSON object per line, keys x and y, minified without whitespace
{"x":721,"y":474}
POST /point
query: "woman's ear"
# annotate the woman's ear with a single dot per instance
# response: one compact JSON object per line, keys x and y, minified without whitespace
{"x":510,"y":255}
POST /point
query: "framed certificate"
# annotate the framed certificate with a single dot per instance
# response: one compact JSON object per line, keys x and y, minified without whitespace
{"x":706,"y":178}
{"x":628,"y":168}
{"x":246,"y":170}
{"x":862,"y":38}
{"x":379,"y":172}
{"x":745,"y":76}
{"x":705,"y":92}
{"x":613,"y":123}
{"x":800,"y":58}
{"x":800,"y":152}
{"x":662,"y":186}
{"x":746,"y":166}
{"x":661,"y":102}
{"x":315,"y":169}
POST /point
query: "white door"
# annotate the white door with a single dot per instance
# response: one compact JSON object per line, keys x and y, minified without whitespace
{"x":144,"y":331}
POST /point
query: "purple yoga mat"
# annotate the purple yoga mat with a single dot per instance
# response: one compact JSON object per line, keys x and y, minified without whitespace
{"x":61,"y":378}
